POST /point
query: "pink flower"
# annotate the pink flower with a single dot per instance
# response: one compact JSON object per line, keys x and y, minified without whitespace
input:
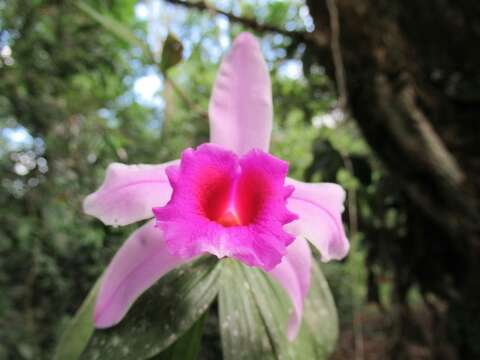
{"x":228,"y":198}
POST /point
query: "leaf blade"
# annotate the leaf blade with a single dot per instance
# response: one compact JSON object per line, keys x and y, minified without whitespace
{"x":240,"y":320}
{"x":161,"y":315}
{"x":75,"y":337}
{"x":264,"y":317}
{"x":187,"y":346}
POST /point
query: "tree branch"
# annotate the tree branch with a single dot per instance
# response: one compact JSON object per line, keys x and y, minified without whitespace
{"x":299,"y":36}
{"x":337,"y":55}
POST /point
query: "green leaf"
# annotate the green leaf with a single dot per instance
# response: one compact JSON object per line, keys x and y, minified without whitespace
{"x":319,"y":332}
{"x":76,"y":335}
{"x":254,"y":316}
{"x":116,"y":28}
{"x":242,"y":330}
{"x":187,"y":347}
{"x":161,"y":315}
{"x":171,"y":53}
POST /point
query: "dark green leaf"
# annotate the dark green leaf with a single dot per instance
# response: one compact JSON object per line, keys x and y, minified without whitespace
{"x":319,"y":332}
{"x":242,"y":329}
{"x":186,"y":347}
{"x":254,"y":316}
{"x":171,"y":53}
{"x":161,"y":315}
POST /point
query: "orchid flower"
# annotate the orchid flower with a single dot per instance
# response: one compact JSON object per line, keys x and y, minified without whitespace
{"x":229,"y":198}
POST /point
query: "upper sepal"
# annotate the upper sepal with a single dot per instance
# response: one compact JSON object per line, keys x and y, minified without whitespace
{"x":240,"y":110}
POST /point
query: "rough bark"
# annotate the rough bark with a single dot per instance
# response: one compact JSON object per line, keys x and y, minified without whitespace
{"x":411,"y":81}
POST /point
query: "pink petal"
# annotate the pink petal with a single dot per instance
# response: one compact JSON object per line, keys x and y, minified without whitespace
{"x":128,"y":193}
{"x":319,"y":207}
{"x":227,"y":206}
{"x":293,"y":274}
{"x":139,"y":263}
{"x":241,"y":104}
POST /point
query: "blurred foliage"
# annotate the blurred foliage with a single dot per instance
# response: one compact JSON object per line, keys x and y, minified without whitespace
{"x":68,"y":108}
{"x":62,"y":88}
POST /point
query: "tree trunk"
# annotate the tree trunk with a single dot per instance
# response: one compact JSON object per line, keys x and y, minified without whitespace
{"x":412,"y":83}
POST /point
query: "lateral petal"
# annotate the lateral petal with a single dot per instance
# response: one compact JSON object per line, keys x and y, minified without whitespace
{"x":128,"y":193}
{"x":140,"y":262}
{"x":319,"y":207}
{"x":293,"y":274}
